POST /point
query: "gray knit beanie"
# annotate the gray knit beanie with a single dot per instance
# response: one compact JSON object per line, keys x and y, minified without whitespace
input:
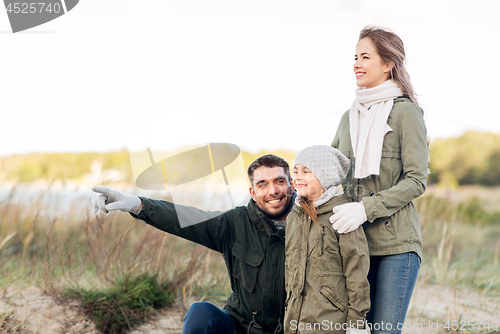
{"x":328,"y":164}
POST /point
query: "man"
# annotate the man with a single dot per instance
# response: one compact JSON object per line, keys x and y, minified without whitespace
{"x":251,"y":240}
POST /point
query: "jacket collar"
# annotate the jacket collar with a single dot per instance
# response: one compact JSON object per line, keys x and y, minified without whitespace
{"x":351,"y":153}
{"x":325,"y":197}
{"x":328,"y":206}
{"x":259,"y":219}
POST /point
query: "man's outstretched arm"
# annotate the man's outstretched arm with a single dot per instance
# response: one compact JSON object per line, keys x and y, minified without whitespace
{"x":208,"y":228}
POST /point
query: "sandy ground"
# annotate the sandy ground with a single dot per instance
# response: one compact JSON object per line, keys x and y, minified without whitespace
{"x":32,"y":311}
{"x":433,"y":306}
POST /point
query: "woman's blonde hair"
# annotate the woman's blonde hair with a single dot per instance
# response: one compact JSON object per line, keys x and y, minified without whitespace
{"x":391,"y":50}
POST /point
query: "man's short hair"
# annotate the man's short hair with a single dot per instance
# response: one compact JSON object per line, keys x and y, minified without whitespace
{"x":268,"y":160}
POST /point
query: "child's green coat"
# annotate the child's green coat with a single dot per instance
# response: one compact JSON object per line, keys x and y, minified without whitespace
{"x":325,"y":272}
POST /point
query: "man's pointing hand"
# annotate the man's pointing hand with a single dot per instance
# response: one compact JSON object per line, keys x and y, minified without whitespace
{"x":110,"y":200}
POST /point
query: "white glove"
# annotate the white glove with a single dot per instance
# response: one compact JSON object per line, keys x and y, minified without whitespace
{"x":356,"y":331}
{"x":110,"y":200}
{"x":348,"y":217}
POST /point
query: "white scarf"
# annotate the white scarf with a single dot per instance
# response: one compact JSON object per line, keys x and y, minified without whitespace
{"x":327,"y":195}
{"x":368,"y":125}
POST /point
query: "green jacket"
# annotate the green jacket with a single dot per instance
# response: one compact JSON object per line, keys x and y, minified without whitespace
{"x":393,"y":225}
{"x":254,"y":252}
{"x":325,"y":273}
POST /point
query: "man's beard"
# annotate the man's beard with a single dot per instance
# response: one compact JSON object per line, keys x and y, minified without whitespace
{"x":283,"y":211}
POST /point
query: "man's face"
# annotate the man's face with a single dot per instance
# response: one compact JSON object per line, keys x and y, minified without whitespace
{"x":272,"y":191}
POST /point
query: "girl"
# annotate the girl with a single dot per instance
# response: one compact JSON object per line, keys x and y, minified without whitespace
{"x":384,"y":136}
{"x":325,"y":272}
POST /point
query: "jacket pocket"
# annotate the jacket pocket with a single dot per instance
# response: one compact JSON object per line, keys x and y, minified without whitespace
{"x":391,"y":154}
{"x":391,"y":167}
{"x":246,"y":265}
{"x":382,"y":231}
{"x":288,"y":299}
{"x":321,"y":241}
{"x":332,"y":297}
{"x":390,"y":229}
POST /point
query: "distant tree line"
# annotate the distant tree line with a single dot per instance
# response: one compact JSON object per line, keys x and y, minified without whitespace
{"x":473,"y":158}
{"x":74,"y":166}
{"x":61,"y":166}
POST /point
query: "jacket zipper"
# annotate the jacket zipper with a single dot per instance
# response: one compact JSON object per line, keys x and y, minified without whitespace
{"x":322,"y":239}
{"x":357,"y":192}
{"x":276,"y":292}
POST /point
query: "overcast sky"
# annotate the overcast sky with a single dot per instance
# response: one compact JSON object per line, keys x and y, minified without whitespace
{"x":264,"y":75}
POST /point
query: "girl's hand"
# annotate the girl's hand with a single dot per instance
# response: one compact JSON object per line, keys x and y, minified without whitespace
{"x":348,"y":217}
{"x":357,"y":331}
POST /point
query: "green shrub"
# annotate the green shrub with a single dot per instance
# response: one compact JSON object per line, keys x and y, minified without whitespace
{"x":124,"y":305}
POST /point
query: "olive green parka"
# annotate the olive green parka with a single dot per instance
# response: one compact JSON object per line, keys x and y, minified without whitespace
{"x":325,"y":273}
{"x":393,"y":225}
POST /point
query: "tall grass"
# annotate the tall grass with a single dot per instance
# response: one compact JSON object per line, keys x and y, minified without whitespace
{"x":461,"y":243}
{"x":120,"y":269}
{"x":117,"y":267}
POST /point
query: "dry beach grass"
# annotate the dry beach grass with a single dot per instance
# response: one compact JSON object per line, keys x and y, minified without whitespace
{"x":43,"y":256}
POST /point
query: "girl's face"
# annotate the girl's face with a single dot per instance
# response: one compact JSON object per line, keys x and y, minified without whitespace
{"x":306,"y":184}
{"x":369,"y":68}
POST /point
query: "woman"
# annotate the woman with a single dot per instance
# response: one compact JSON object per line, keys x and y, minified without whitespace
{"x":384,"y":136}
{"x":325,"y":272}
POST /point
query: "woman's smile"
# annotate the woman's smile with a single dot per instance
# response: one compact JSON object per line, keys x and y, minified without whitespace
{"x":369,"y":68}
{"x":359,"y":74}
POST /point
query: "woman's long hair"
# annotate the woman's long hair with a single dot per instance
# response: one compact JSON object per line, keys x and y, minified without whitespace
{"x":308,"y":207}
{"x":391,"y":49}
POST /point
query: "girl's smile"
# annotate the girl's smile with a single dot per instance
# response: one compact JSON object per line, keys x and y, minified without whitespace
{"x":306,"y":184}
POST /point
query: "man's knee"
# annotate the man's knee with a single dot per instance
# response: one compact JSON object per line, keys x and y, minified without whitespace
{"x":204,"y":317}
{"x":201,"y":310}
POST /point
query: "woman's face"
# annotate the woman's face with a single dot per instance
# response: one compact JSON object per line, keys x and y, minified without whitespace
{"x":369,"y":68}
{"x":306,"y":184}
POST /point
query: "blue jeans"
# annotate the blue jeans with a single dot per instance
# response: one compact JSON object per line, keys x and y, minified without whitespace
{"x":392,"y":279}
{"x":206,"y":318}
